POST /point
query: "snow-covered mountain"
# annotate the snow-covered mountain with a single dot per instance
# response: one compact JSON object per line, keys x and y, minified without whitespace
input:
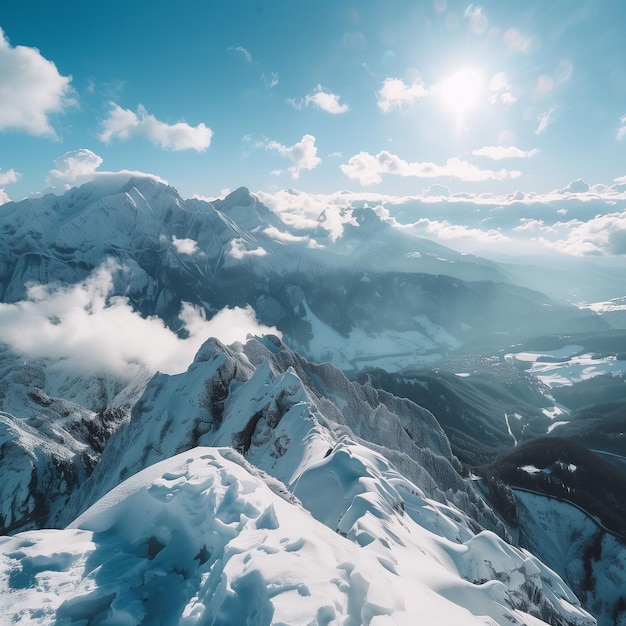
{"x":346,"y":509}
{"x":206,"y":538}
{"x":370,"y":295}
{"x":253,"y":482}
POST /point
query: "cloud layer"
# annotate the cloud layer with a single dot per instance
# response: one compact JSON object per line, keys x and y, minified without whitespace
{"x":368,"y":169}
{"x":84,"y":329}
{"x":577,"y":220}
{"x":77,"y":167}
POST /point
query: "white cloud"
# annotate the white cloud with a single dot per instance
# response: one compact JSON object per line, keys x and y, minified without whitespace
{"x":446,"y":230}
{"x":31,"y":90}
{"x":272,"y":80}
{"x":602,"y":235}
{"x":368,"y":169}
{"x":124,"y":124}
{"x":77,"y":167}
{"x":395,"y":93}
{"x":500,"y":90}
{"x":544,"y":119}
{"x":239,"y":250}
{"x":303,"y":154}
{"x":576,"y":186}
{"x":307,"y":211}
{"x":8,"y":177}
{"x":526,"y":222}
{"x":621,"y":131}
{"x":243,"y":51}
{"x":326,"y":101}
{"x":185,"y":246}
{"x":284,"y":237}
{"x":498,"y":153}
{"x":83,"y":328}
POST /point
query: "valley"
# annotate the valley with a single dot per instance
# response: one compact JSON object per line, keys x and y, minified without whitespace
{"x":359,"y":382}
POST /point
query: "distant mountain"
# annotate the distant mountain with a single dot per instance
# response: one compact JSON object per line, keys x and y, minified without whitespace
{"x":373,"y":297}
{"x":257,"y":483}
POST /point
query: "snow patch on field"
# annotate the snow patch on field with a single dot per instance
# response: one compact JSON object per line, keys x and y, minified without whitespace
{"x":566,"y":366}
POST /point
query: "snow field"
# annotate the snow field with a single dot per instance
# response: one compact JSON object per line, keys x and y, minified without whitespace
{"x":198,"y":539}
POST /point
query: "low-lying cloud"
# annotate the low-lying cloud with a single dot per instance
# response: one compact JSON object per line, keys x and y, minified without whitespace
{"x":85,"y":329}
{"x":78,"y":167}
{"x":578,"y":220}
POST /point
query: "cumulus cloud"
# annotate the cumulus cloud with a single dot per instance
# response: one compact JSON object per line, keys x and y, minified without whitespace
{"x":544,"y":120}
{"x":77,"y":167}
{"x":6,"y":178}
{"x":368,"y":169}
{"x":185,"y":246}
{"x":239,"y":250}
{"x":621,"y":131}
{"x":497,"y":153}
{"x":124,"y":124}
{"x":303,"y":154}
{"x":322,"y":99}
{"x":395,"y":93}
{"x":31,"y":90}
{"x":576,"y":186}
{"x":526,"y":222}
{"x":602,"y":235}
{"x":83,"y":328}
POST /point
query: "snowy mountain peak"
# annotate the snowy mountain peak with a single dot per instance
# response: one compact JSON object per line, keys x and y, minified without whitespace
{"x":368,"y":219}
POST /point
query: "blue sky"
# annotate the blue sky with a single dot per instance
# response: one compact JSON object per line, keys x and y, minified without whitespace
{"x":390,"y":97}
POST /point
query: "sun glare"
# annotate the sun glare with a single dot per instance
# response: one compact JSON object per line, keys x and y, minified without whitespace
{"x":463,"y":90}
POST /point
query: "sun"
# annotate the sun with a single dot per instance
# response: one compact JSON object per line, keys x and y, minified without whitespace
{"x":463,"y":91}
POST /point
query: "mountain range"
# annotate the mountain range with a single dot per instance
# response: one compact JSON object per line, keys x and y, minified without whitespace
{"x":210,"y":416}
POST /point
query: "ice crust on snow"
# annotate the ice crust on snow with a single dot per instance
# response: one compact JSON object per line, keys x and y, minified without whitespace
{"x":198,"y":539}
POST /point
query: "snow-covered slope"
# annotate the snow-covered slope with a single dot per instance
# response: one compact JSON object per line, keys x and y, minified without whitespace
{"x":282,"y":412}
{"x":53,"y":427}
{"x":592,"y":560}
{"x":205,"y":538}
